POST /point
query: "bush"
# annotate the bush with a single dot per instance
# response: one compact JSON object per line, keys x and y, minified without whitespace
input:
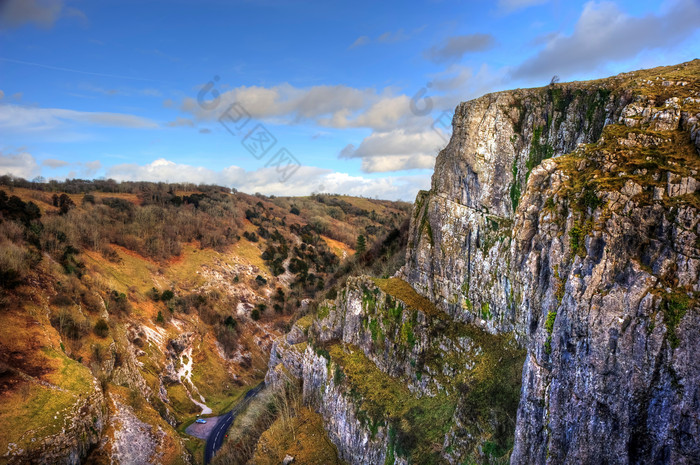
{"x":70,"y":327}
{"x":118,"y":303}
{"x":91,"y":301}
{"x":154,"y":294}
{"x":332,"y":293}
{"x":15,"y":263}
{"x":167,"y":295}
{"x":101,"y":328}
{"x":61,"y":300}
{"x":255,"y":314}
{"x":227,"y":336}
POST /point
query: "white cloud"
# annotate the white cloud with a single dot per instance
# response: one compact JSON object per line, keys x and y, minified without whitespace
{"x":402,"y":136}
{"x":331,"y":106}
{"x":397,"y":150}
{"x":306,"y":180}
{"x":455,"y":47}
{"x":461,"y":83}
{"x":90,"y":168}
{"x":382,"y":115}
{"x":284,"y":101}
{"x":54,"y":163}
{"x":509,"y":6}
{"x":43,"y":13}
{"x":604,"y":33}
{"x":23,"y":118}
{"x":21,"y":164}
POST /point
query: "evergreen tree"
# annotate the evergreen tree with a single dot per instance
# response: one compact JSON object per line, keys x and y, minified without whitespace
{"x":361,"y":245}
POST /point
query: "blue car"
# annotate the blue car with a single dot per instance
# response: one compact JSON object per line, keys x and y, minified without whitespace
{"x":200,"y":420}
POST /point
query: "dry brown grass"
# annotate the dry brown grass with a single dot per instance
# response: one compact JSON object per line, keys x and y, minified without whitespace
{"x":304,"y":439}
{"x":340,"y":249}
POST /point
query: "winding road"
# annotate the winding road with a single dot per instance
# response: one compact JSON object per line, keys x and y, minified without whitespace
{"x":218,"y":434}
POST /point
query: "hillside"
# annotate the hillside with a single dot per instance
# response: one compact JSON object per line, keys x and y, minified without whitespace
{"x":129,"y":309}
{"x":549,"y":307}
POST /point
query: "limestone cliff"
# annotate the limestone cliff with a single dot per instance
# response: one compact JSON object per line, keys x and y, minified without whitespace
{"x":564,"y":220}
{"x":397,"y":380}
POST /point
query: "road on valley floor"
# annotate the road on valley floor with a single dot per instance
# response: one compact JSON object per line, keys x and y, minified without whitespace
{"x":218,"y":434}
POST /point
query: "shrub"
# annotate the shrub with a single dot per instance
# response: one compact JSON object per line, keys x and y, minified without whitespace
{"x":154,"y":294}
{"x":61,"y":300}
{"x":66,"y":324}
{"x":255,"y":314}
{"x":15,"y":263}
{"x":91,"y":301}
{"x":118,"y":303}
{"x":226,"y":335}
{"x":167,"y":295}
{"x":101,"y":328}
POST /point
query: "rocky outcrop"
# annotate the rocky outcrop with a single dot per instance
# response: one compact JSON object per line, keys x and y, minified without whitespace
{"x":355,"y":440}
{"x":562,"y":220}
{"x":81,"y":430}
{"x":396,"y":380}
{"x":460,"y":229}
{"x":591,"y":257}
{"x":134,"y":441}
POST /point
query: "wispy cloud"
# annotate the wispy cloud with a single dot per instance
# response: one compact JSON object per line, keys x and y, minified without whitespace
{"x":41,"y":13}
{"x":508,"y":6}
{"x":160,"y":54}
{"x":181,"y":122}
{"x":388,"y":37}
{"x":32,"y":119}
{"x":455,"y":47}
{"x":360,"y":41}
{"x":604,"y":33}
{"x":78,"y":71}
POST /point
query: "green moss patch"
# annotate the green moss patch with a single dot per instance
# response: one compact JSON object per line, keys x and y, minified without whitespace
{"x":674,"y":306}
{"x":400,"y":289}
{"x":419,"y":425}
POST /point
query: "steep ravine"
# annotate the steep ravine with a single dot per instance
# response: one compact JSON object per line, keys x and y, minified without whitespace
{"x":564,"y":221}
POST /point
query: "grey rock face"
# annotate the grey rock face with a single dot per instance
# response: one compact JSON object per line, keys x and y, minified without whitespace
{"x":356,"y":444}
{"x":460,"y":233}
{"x":568,"y":216}
{"x":589,"y":261}
{"x":82,"y":428}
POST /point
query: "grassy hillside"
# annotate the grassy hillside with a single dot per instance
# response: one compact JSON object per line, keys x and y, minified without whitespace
{"x":167,"y":297}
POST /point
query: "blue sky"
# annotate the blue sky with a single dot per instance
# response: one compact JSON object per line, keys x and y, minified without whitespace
{"x":348,"y":97}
